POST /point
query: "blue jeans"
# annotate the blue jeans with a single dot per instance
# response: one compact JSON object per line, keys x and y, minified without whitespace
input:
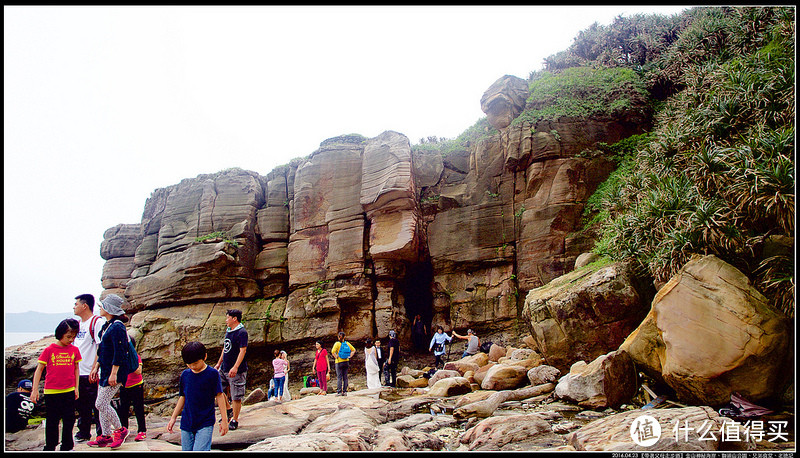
{"x":199,"y":440}
{"x":279,"y":381}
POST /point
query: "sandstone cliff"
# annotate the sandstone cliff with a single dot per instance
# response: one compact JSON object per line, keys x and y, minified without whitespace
{"x":361,"y":236}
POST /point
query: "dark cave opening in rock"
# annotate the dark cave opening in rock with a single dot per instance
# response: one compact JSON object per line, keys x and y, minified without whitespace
{"x":416,"y":289}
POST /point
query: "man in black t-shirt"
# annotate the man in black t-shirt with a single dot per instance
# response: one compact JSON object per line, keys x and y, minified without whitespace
{"x":232,"y":365}
{"x":19,"y":407}
{"x":392,"y":359}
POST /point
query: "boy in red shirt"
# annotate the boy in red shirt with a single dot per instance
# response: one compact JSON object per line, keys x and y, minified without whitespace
{"x":60,"y":384}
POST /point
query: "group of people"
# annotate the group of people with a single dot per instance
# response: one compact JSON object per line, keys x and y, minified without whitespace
{"x":90,"y":363}
{"x":440,"y":339}
{"x":419,"y":335}
{"x":84,"y":369}
{"x":379,"y":361}
{"x":376,"y":360}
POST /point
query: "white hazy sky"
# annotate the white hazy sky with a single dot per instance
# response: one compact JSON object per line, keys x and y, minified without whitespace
{"x":103,"y":105}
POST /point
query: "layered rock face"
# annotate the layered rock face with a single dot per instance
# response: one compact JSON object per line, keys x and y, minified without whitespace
{"x":361,"y":236}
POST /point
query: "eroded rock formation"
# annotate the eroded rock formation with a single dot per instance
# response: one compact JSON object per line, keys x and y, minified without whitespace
{"x":361,"y":236}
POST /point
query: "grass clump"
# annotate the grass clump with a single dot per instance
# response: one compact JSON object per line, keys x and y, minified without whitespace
{"x":218,"y":235}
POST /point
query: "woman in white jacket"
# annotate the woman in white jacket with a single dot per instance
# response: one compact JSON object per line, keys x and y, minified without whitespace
{"x":371,"y":364}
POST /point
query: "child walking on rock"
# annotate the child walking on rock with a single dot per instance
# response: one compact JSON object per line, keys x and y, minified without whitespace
{"x":199,"y":388}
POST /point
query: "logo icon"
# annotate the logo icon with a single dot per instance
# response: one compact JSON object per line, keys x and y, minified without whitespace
{"x":645,"y":430}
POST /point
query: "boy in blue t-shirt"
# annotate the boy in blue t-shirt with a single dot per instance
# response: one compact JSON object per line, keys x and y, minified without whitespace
{"x":199,"y":388}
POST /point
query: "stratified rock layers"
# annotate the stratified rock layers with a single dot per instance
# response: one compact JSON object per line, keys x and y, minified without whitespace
{"x":361,"y":236}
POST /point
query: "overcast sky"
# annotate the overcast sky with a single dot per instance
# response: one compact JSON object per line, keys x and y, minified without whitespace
{"x":103,"y":105}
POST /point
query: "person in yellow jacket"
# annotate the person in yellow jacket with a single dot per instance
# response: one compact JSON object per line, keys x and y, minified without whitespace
{"x":343,"y":351}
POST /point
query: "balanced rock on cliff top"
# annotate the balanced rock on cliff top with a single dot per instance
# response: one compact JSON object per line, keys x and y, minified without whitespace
{"x":504,"y":100}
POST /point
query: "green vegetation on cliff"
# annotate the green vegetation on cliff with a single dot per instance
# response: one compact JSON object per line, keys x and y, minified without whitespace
{"x":445,"y":146}
{"x":717,"y":174}
{"x":580,"y":92}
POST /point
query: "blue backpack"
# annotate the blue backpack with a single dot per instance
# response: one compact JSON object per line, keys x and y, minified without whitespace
{"x":344,"y":350}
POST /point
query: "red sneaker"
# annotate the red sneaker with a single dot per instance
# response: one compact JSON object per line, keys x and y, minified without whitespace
{"x":119,"y":437}
{"x":141,"y":436}
{"x":100,"y":441}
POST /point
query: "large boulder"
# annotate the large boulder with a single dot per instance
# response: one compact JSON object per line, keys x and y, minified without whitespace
{"x":504,"y":377}
{"x":496,"y":352}
{"x":461,"y":366}
{"x":543,"y":374}
{"x":608,"y":381}
{"x":442,"y":374}
{"x":710,"y":333}
{"x":584,"y":314}
{"x":451,"y":386}
{"x":480,"y":374}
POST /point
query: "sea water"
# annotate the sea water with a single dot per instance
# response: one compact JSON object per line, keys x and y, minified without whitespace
{"x":16,"y":338}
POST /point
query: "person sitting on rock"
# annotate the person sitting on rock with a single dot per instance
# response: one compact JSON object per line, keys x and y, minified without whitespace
{"x":19,"y":407}
{"x":473,"y":342}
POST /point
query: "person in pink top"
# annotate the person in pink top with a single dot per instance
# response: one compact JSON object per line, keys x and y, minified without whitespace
{"x":133,"y":394}
{"x":321,"y":367}
{"x":61,"y":362}
{"x":281,"y":366}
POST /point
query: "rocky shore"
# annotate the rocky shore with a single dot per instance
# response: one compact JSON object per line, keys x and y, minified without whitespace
{"x":452,"y":412}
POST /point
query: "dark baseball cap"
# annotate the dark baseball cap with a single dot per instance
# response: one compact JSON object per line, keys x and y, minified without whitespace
{"x":26,"y":384}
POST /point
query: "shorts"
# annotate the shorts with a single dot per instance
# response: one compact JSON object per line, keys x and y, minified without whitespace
{"x":237,"y":384}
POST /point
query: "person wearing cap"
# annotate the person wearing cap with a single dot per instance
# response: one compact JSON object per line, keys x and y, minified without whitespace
{"x":19,"y":407}
{"x":87,"y":341}
{"x":473,"y":342}
{"x":392,"y":360}
{"x":112,"y":371}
